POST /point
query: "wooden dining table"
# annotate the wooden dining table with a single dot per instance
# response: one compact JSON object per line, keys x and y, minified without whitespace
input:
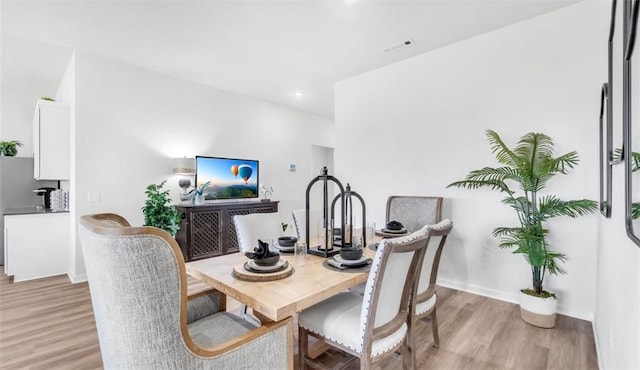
{"x":276,"y":300}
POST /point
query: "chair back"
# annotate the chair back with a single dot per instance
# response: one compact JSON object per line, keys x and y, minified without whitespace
{"x":414,"y":211}
{"x":254,"y":226}
{"x":300,"y":222}
{"x":387,"y":291}
{"x":429,"y":272}
{"x":138,"y":291}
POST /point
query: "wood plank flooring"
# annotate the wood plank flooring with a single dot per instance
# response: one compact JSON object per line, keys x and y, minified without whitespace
{"x":48,"y":324}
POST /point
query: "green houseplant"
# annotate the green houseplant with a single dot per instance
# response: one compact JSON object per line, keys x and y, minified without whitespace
{"x":157,"y":210}
{"x":9,"y":148}
{"x":530,"y":165}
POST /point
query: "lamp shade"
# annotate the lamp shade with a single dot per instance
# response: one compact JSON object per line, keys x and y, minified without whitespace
{"x":184,"y":166}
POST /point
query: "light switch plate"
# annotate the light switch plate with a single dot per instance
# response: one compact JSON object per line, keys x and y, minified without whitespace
{"x":93,"y":196}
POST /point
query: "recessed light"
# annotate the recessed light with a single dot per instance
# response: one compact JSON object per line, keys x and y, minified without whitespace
{"x":298,"y":94}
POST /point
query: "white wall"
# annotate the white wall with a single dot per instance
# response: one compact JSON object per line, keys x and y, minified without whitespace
{"x":415,"y":126}
{"x":617,"y":320}
{"x":130,"y":122}
{"x":16,"y":125}
{"x":29,"y":71}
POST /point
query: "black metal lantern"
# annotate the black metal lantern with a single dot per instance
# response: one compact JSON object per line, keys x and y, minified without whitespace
{"x":325,"y":247}
{"x":347,"y":213}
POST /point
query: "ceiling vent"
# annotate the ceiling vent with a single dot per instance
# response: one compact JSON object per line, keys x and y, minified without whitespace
{"x":399,"y":45}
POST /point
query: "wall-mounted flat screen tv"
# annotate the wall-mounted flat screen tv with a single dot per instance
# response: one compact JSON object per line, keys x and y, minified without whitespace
{"x":230,"y":178}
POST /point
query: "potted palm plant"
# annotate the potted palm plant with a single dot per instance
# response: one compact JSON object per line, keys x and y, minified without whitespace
{"x":530,"y":165}
{"x":157,"y":209}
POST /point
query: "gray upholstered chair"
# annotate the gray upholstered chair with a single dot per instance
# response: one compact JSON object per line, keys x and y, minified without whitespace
{"x":424,"y":300}
{"x":375,"y":325}
{"x":414,"y":211}
{"x":144,"y":319}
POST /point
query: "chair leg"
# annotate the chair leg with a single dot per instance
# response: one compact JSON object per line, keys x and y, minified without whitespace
{"x":249,"y":317}
{"x":410,"y":342}
{"x":434,"y":328}
{"x":408,"y":358}
{"x":365,"y":362}
{"x":303,"y":348}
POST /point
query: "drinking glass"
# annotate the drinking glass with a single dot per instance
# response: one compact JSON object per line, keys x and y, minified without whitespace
{"x":300,"y":253}
{"x":356,"y":241}
{"x":325,"y":236}
{"x":370,"y":232}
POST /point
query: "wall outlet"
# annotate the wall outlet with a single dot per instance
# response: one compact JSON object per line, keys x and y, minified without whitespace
{"x":292,"y":167}
{"x":93,"y":196}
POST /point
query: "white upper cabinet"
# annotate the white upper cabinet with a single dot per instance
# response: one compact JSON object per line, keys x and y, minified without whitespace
{"x":51,"y":142}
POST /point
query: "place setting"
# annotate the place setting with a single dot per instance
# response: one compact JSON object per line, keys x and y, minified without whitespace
{"x":350,"y":259}
{"x":264,"y":264}
{"x":393,"y":229}
{"x":286,"y":244}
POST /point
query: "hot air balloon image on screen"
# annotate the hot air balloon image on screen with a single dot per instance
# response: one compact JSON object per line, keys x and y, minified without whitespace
{"x":230,"y":178}
{"x":245,"y":172}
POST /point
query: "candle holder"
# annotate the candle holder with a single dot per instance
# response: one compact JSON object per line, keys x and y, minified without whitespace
{"x":347,"y":213}
{"x":324,"y":246}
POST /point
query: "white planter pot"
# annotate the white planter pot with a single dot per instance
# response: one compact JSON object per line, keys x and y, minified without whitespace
{"x":198,"y":200}
{"x":537,"y":311}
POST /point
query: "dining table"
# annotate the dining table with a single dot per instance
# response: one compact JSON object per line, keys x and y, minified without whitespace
{"x":311,"y":282}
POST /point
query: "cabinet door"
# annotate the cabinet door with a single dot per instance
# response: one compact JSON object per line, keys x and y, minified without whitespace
{"x":51,"y":141}
{"x":206,"y":240}
{"x":37,"y":245}
{"x":231,"y":244}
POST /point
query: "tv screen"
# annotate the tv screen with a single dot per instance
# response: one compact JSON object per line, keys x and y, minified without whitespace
{"x":230,"y":178}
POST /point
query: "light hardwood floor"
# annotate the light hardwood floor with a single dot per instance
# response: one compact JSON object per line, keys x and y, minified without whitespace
{"x":48,"y":324}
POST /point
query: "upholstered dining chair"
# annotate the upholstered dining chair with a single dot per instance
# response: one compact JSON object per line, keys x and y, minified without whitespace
{"x":144,"y":319}
{"x":250,"y":228}
{"x":375,"y":325}
{"x":254,"y":226}
{"x":300,"y":222}
{"x":424,"y":300}
{"x":414,"y":211}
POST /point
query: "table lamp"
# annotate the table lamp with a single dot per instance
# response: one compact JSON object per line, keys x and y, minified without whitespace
{"x":184,"y":167}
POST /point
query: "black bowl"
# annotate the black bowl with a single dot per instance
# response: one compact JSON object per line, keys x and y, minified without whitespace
{"x":351,"y":253}
{"x":394,"y":225}
{"x":268,"y":261}
{"x":287,"y":241}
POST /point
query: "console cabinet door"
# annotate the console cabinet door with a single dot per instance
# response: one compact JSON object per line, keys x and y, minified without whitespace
{"x":231,"y":241}
{"x":206,"y":236}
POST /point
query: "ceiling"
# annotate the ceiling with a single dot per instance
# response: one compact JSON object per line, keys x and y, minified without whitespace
{"x":264,"y":49}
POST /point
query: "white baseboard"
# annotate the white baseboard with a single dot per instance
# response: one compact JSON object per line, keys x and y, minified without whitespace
{"x":485,"y":292}
{"x":506,"y":297}
{"x":77,"y":278}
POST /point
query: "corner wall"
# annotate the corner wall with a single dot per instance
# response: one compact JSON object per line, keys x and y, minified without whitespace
{"x":415,"y":126}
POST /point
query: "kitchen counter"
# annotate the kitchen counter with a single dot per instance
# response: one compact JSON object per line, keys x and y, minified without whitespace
{"x":28,"y":211}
